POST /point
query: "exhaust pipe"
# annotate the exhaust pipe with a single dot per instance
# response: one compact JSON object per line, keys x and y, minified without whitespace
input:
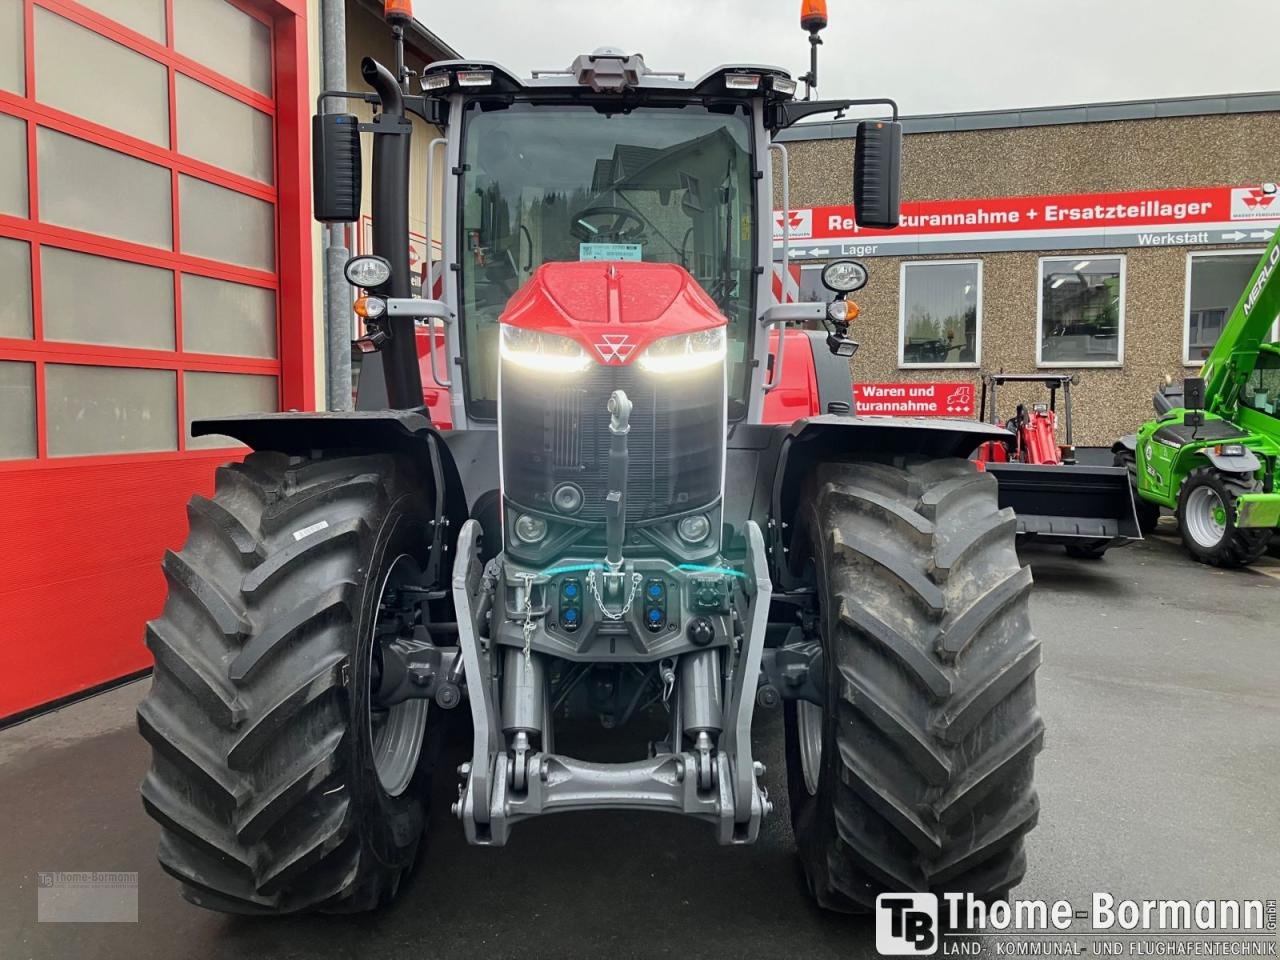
{"x":391,"y":136}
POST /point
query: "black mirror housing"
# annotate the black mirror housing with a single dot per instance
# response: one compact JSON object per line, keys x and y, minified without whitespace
{"x":1193,"y":393}
{"x":877,"y":173}
{"x":335,"y":167}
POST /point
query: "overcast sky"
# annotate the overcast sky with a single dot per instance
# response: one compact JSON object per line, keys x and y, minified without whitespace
{"x":931,"y":55}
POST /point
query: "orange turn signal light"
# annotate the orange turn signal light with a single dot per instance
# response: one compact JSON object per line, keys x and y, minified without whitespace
{"x":397,"y":9}
{"x":851,"y":311}
{"x":813,"y":15}
{"x":370,"y":308}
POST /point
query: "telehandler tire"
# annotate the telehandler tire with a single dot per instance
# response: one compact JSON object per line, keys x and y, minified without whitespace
{"x":278,"y":788}
{"x":917,"y":774}
{"x":1148,"y":513}
{"x":1206,"y":519}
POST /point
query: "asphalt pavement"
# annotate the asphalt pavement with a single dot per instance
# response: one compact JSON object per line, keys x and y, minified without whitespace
{"x":1159,"y":778}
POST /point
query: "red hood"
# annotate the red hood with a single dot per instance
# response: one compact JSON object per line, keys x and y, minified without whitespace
{"x":614,"y":309}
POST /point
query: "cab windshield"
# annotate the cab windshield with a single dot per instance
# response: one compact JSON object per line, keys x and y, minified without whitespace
{"x":570,"y":182}
{"x":1262,"y":390}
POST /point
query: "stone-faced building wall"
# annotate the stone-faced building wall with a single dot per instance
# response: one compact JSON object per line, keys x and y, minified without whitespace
{"x":1094,"y":156}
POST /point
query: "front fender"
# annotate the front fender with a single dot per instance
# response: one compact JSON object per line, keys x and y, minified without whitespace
{"x":405,"y":432}
{"x":1246,"y":462}
{"x":833,"y":439}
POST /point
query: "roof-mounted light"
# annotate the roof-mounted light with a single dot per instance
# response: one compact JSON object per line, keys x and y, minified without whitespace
{"x":439,"y":80}
{"x":397,"y":10}
{"x":742,"y":81}
{"x":784,"y":86}
{"x":813,"y":15}
{"x":475,"y":78}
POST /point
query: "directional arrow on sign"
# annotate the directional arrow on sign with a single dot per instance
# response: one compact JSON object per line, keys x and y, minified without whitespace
{"x":1234,"y":235}
{"x":1262,"y":234}
{"x":822,"y":252}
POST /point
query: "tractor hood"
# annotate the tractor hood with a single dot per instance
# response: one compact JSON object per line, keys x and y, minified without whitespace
{"x":614,"y":310}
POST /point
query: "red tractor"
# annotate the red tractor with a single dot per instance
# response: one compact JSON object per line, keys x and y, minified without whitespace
{"x":1087,"y":508}
{"x":610,"y":528}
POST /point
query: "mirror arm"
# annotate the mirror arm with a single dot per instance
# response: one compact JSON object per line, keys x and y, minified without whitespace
{"x":786,"y":114}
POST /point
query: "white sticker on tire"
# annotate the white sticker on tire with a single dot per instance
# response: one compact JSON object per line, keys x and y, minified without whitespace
{"x":308,"y":531}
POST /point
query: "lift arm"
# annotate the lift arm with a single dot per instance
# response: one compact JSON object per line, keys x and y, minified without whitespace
{"x":1233,"y":358}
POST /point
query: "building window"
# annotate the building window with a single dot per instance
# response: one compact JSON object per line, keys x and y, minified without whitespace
{"x":1214,"y":284}
{"x":1081,"y":312}
{"x":940,"y":314}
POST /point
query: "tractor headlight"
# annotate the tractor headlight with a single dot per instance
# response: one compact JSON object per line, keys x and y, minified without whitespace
{"x":844,"y":276}
{"x":694,"y":529}
{"x":545,"y":352}
{"x":530,"y":529}
{"x":684,"y":352}
{"x":367,"y":272}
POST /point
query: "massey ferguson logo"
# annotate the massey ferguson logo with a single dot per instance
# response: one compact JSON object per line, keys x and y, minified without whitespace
{"x":1255,"y":203}
{"x":800,"y":221}
{"x":614,"y":347}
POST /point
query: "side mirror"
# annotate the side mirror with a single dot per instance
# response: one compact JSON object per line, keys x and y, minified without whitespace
{"x":1193,"y":401}
{"x":877,"y":173}
{"x":335,"y":167}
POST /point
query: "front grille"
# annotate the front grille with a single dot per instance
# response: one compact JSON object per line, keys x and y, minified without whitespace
{"x":557,"y":430}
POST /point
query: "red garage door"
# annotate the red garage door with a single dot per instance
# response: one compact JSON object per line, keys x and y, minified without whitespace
{"x":154,"y":269}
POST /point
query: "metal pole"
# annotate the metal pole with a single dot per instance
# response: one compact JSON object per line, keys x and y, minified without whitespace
{"x":337,"y":292}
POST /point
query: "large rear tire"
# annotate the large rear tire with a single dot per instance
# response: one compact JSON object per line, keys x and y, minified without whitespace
{"x":1206,"y":519}
{"x":925,"y":750}
{"x":276,"y":785}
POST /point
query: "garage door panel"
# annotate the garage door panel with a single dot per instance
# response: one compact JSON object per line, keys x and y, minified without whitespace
{"x":223,"y":224}
{"x":225,"y":39}
{"x":142,"y":16}
{"x":94,"y":410}
{"x":223,"y":131}
{"x":234,"y":319}
{"x":91,"y":299}
{"x":115,"y":196}
{"x":212,"y":395}
{"x":13,"y":165}
{"x":140,"y":263}
{"x":13,"y":61}
{"x":17,"y":410}
{"x":71,"y":64}
{"x":15,"y":281}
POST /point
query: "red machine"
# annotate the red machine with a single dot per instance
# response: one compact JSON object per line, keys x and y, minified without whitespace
{"x":1087,"y":508}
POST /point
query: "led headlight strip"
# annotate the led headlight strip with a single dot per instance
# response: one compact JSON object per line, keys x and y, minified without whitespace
{"x":544,"y":352}
{"x":684,"y":352}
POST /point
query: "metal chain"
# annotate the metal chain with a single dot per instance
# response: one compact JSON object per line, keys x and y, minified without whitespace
{"x":528,"y":627}
{"x":626,"y":607}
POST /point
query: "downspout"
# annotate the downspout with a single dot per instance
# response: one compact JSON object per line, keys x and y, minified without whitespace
{"x":337,"y":292}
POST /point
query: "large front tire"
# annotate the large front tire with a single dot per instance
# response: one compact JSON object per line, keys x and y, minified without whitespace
{"x":1206,"y":519}
{"x":271,"y":776}
{"x":925,"y":754}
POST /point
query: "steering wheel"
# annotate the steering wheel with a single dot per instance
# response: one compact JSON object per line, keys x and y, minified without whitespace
{"x":607,"y":224}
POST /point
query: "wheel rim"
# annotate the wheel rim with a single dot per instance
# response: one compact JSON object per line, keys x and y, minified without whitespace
{"x":809,"y":730}
{"x":1205,"y":517}
{"x":395,"y":733}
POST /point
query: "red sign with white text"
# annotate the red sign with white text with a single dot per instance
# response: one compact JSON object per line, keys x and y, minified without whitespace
{"x":913,"y":399}
{"x":1063,"y":211}
{"x":1175,"y":217}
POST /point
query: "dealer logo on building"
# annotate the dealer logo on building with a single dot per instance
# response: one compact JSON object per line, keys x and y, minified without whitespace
{"x":1255,"y":203}
{"x":907,"y":924}
{"x":800,"y":221}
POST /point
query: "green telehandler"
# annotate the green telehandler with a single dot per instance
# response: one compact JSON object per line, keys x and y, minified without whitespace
{"x":1211,"y":452}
